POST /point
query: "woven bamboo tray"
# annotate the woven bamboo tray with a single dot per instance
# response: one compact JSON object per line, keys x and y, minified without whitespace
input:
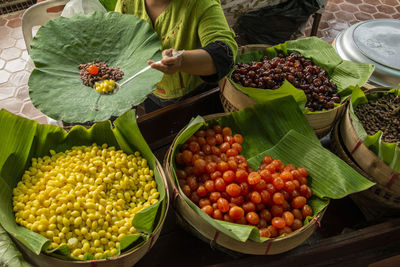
{"x":127,"y":259}
{"x":208,"y":233}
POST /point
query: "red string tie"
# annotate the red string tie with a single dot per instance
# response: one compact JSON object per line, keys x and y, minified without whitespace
{"x":317,"y":221}
{"x":269,"y":244}
{"x":391,"y":181}
{"x":356,"y":146}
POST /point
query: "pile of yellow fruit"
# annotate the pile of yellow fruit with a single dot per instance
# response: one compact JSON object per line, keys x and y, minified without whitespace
{"x":105,"y":86}
{"x":85,"y":198}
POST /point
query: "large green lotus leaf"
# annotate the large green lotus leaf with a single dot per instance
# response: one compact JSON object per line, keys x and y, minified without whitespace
{"x":24,"y":139}
{"x":345,"y":74}
{"x":59,"y":46}
{"x":387,"y":152}
{"x":283,"y":134}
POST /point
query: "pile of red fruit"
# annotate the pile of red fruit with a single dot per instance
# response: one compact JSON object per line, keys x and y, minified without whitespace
{"x":213,"y":174}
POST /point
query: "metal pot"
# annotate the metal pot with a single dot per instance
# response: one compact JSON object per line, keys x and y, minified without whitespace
{"x":376,"y":42}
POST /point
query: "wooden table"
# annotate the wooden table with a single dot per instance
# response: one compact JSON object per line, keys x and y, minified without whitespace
{"x":344,"y":238}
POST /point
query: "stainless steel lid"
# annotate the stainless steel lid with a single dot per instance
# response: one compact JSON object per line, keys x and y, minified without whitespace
{"x":376,"y":42}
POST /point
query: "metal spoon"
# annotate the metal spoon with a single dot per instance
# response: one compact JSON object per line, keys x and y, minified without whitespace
{"x":118,"y":86}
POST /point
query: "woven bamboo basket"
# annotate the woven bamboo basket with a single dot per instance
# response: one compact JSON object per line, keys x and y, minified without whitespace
{"x":127,"y":259}
{"x":385,"y":195}
{"x":375,"y":201}
{"x":208,"y":233}
{"x":233,"y":100}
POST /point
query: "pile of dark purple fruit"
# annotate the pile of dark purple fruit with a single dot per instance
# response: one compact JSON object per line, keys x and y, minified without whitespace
{"x":299,"y":71}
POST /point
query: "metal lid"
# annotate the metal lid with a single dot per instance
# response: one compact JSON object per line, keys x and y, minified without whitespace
{"x":379,"y":40}
{"x":375,"y":42}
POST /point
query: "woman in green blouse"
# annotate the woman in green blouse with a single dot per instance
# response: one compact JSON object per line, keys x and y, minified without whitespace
{"x":200,"y":29}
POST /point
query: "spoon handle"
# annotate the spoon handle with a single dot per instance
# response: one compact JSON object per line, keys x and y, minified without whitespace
{"x":178,"y":53}
{"x":138,"y":73}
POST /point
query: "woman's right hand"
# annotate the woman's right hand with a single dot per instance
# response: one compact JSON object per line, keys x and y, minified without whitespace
{"x":169,"y":63}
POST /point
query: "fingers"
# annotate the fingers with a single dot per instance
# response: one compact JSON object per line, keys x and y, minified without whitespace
{"x":167,"y":52}
{"x":163,"y":68}
{"x":169,"y":61}
{"x":169,"y":64}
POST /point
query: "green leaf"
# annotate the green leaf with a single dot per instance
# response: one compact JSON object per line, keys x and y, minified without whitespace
{"x":264,"y":95}
{"x":278,"y":128}
{"x":128,"y":240}
{"x":109,"y":5}
{"x":273,"y":119}
{"x":243,"y":232}
{"x":59,"y":46}
{"x":9,"y":254}
{"x":330,"y":177}
{"x":24,"y":139}
{"x":389,"y":153}
{"x":344,"y":73}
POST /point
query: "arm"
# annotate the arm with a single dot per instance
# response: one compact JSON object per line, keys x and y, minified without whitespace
{"x":197,"y":62}
{"x":215,"y":58}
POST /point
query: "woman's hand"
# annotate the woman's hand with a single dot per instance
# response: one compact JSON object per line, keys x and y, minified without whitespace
{"x":169,"y":63}
{"x":197,"y":62}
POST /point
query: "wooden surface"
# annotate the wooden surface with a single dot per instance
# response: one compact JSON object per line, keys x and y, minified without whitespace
{"x":344,"y":238}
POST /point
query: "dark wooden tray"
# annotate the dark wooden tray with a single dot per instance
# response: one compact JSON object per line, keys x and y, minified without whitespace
{"x":344,"y":237}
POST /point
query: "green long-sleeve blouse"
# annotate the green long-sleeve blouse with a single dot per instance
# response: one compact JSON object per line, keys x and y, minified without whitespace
{"x":184,"y":24}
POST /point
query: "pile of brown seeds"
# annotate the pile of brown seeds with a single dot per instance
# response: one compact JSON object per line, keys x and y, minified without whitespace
{"x":105,"y":72}
{"x":382,"y":114}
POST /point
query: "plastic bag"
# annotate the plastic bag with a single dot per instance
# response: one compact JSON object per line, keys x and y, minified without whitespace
{"x":82,"y":7}
{"x":233,"y":9}
{"x":276,"y":24}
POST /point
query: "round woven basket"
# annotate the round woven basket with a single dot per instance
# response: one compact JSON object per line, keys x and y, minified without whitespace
{"x":127,"y":259}
{"x":233,"y":100}
{"x":208,"y":233}
{"x":383,"y":198}
{"x":373,"y":202}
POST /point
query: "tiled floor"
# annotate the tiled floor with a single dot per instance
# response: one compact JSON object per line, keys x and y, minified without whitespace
{"x":14,"y":70}
{"x":341,"y":14}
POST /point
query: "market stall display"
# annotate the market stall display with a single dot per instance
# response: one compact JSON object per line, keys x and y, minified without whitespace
{"x":369,"y":152}
{"x":82,"y":199}
{"x":285,"y":135}
{"x":118,"y":46}
{"x":342,"y":73}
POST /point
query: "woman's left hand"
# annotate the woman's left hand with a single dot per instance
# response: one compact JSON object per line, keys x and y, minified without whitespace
{"x":169,"y":63}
